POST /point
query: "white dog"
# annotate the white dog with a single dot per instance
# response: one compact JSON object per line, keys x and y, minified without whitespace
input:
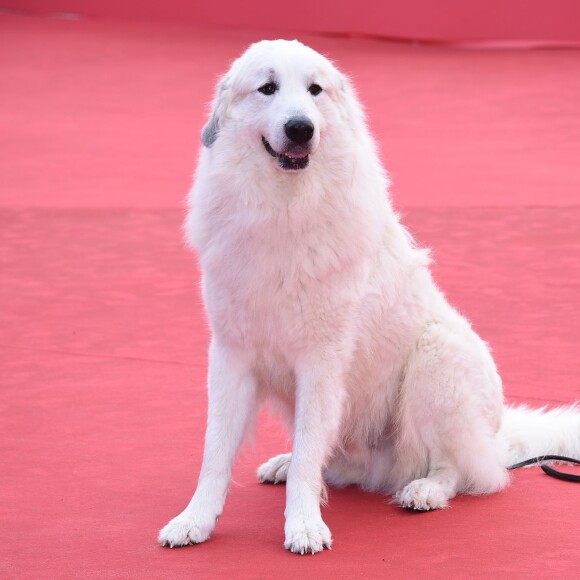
{"x":319,"y":300}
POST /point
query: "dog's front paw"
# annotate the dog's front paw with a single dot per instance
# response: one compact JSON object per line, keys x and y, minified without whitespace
{"x":307,"y":537}
{"x":186,"y":529}
{"x":275,"y":470}
{"x":422,"y":495}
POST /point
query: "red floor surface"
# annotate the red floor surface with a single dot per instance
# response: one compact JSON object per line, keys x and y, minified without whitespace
{"x":102,"y":336}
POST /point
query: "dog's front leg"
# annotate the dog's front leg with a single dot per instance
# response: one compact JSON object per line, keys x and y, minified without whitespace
{"x":232,"y":405}
{"x":319,"y":395}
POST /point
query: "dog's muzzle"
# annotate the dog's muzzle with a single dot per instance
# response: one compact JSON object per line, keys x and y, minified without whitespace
{"x":299,"y":132}
{"x":289,"y":160}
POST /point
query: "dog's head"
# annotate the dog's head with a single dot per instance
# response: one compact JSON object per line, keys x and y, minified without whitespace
{"x":277,"y":101}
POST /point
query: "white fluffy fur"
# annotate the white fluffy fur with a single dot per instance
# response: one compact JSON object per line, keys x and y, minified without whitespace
{"x":319,"y":300}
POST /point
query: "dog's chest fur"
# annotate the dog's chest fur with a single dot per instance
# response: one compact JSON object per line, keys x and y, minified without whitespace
{"x":286,"y":280}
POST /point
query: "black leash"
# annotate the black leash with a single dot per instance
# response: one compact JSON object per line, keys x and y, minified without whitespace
{"x":550,"y":470}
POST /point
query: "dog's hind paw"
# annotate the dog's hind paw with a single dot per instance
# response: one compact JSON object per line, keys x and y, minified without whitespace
{"x":275,"y":469}
{"x":422,"y":495}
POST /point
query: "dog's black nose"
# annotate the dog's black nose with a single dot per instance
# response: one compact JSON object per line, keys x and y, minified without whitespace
{"x":299,"y":130}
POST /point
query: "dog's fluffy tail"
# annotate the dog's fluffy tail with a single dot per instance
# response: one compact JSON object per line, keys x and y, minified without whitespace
{"x":534,"y":432}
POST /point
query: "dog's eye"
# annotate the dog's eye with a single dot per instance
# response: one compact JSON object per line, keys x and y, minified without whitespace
{"x":314,"y":89}
{"x":268,"y":88}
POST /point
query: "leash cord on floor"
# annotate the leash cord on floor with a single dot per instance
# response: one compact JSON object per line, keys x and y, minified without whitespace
{"x":550,"y":470}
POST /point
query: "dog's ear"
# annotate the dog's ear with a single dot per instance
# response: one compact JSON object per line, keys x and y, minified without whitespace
{"x":350,"y":106}
{"x":209,"y":133}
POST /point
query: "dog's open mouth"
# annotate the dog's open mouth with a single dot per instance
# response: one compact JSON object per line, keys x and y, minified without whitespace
{"x":287,"y":160}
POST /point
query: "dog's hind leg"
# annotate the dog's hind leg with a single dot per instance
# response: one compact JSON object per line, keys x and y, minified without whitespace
{"x":232,"y":402}
{"x":450,"y":411}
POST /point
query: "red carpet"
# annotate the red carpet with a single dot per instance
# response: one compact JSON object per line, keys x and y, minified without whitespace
{"x":103,"y":340}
